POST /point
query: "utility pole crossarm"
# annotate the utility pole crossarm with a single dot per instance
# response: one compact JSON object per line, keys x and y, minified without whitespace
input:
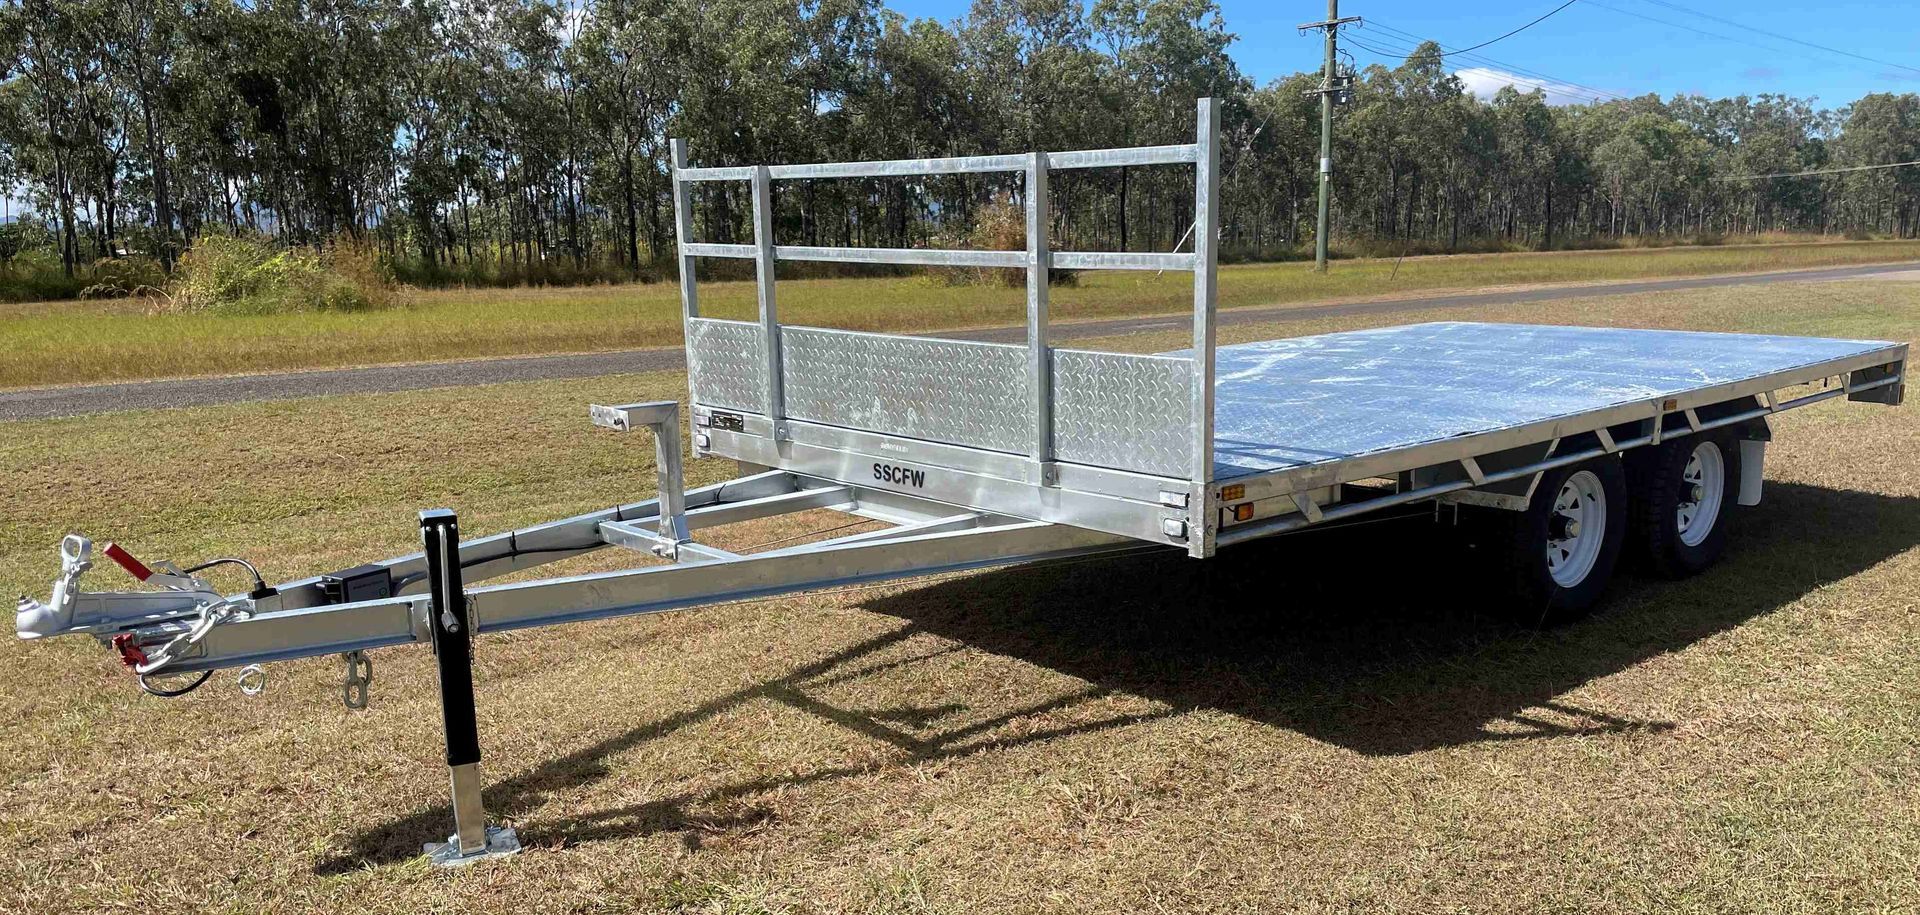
{"x":1331,"y":22}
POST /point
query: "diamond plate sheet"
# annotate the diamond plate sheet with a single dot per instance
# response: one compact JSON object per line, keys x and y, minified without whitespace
{"x":725,"y":364}
{"x":1122,"y":411}
{"x":952,"y":391}
{"x":1283,"y":404}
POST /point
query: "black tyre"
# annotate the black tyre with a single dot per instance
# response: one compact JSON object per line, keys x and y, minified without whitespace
{"x":1560,"y":553}
{"x":1683,"y":491}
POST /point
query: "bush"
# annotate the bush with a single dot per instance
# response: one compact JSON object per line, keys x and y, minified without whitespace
{"x":36,"y":274}
{"x":119,"y":277}
{"x":225,"y":274}
{"x":1000,"y":226}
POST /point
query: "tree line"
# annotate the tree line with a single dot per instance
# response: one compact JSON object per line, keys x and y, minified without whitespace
{"x":517,"y":140}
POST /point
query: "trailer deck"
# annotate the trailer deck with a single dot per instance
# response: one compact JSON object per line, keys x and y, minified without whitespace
{"x":1286,"y":404}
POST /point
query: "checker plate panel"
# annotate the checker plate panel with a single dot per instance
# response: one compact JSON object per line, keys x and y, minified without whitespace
{"x":1122,"y":411}
{"x":726,"y":366}
{"x":952,"y":391}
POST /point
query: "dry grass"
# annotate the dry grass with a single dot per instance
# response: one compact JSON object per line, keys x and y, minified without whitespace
{"x":1282,"y":729}
{"x":59,"y":343}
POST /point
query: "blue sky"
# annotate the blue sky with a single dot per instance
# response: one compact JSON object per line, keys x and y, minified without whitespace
{"x":1599,"y":48}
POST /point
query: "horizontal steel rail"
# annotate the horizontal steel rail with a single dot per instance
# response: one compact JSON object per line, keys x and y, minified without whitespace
{"x":955,"y":257}
{"x":710,"y":249}
{"x":931,"y":257}
{"x":1122,"y":260}
{"x":956,"y":165}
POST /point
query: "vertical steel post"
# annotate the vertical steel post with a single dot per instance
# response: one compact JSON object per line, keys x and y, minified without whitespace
{"x":1039,"y":355}
{"x":763,"y":270}
{"x":683,"y":231}
{"x":453,"y":652}
{"x":666,"y":462}
{"x":1201,"y":521}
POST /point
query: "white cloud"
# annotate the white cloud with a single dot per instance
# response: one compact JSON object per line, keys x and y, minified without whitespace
{"x":1485,"y":81}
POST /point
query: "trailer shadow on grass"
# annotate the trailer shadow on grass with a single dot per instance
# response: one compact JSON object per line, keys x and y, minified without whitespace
{"x":1380,"y":638}
{"x":1373,"y":638}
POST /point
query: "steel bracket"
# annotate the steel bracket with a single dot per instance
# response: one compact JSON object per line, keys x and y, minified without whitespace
{"x":663,"y":417}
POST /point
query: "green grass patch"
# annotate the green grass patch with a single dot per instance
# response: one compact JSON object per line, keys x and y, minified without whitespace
{"x":73,"y":342}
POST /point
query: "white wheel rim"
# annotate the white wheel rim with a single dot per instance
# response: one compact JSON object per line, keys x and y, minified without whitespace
{"x":1703,"y":484}
{"x":1576,"y":528}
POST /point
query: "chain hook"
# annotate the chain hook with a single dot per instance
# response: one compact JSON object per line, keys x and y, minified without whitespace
{"x":359,"y":677}
{"x":252,"y":680}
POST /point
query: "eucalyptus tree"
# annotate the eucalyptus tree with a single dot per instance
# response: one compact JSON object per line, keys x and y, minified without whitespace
{"x":1879,"y":129}
{"x":526,"y":140}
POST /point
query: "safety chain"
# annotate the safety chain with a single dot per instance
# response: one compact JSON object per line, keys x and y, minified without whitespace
{"x":212,"y":615}
{"x":359,"y":677}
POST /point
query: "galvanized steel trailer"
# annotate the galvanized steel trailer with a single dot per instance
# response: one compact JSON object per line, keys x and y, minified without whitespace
{"x":1581,"y":442}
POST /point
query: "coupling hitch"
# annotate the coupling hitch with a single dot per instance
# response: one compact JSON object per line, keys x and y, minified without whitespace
{"x":72,"y":611}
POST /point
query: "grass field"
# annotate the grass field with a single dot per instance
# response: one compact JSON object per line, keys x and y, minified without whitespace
{"x":1324,"y":723}
{"x":72,"y":342}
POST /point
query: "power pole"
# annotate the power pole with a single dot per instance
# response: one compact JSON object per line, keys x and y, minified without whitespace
{"x":1331,"y":85}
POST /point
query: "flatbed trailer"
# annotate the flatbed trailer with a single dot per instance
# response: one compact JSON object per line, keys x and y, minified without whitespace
{"x":1582,"y":442}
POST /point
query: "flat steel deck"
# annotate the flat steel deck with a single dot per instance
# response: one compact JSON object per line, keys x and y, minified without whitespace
{"x":1284,"y":404}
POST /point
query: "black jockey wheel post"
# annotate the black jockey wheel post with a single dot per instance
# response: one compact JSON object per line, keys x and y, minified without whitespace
{"x":452,"y":628}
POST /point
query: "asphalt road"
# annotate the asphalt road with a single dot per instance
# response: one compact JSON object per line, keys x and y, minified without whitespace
{"x":43,"y":403}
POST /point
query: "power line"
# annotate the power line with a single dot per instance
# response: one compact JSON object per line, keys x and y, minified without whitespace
{"x":1543,"y":85}
{"x":1517,"y":31}
{"x":1684,"y":27}
{"x":1445,"y":50}
{"x":1818,"y":171}
{"x":1776,"y":35}
{"x":1410,"y":38}
{"x":1519,"y":75}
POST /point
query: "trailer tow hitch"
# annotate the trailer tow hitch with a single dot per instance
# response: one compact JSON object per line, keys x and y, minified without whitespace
{"x":113,"y":616}
{"x":71,"y":611}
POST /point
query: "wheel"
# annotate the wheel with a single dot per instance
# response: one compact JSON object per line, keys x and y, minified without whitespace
{"x":1683,"y":490}
{"x":1561,"y":551}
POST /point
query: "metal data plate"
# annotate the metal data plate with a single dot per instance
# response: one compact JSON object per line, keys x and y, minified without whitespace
{"x":1288,"y":403}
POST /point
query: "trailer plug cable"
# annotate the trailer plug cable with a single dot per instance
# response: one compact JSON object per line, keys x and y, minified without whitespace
{"x":408,"y":579}
{"x":260,"y":589}
{"x":152,"y":690}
